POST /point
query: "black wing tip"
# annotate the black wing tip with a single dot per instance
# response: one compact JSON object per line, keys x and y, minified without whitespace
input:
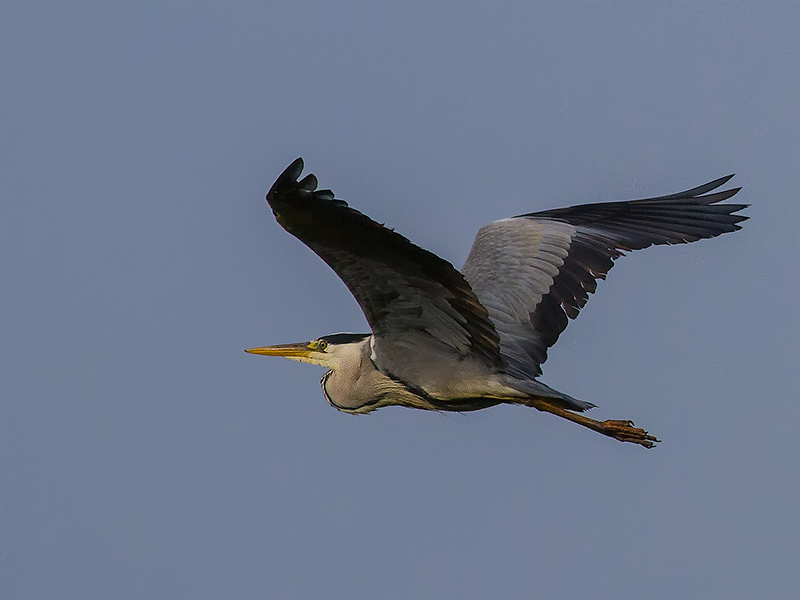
{"x":722,"y":180}
{"x":710,"y":186}
{"x":717,"y":197}
{"x":292,"y":172}
{"x":739,"y":218}
{"x":287,"y":183}
{"x":701,"y":191}
{"x":288,"y":178}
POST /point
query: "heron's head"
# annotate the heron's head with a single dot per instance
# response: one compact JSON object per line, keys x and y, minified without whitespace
{"x":328,"y":351}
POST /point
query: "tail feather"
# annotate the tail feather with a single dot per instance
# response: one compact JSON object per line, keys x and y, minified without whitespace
{"x":540,"y":390}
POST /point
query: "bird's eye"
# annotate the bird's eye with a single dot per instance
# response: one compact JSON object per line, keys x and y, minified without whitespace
{"x":321,"y":345}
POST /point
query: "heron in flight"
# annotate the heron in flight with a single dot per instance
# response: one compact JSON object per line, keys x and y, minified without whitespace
{"x":446,"y":340}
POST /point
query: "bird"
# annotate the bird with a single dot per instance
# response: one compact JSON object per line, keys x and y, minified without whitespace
{"x":448,"y":340}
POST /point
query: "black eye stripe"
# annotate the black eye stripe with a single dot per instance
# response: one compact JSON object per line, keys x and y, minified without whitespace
{"x":344,"y":338}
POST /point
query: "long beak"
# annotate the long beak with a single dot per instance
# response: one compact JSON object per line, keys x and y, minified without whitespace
{"x":300,"y":350}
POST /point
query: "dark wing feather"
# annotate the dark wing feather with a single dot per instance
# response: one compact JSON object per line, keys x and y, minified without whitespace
{"x":402,"y":289}
{"x":534,"y":271}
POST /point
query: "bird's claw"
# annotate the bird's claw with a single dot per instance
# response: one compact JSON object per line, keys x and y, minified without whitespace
{"x":624,"y":431}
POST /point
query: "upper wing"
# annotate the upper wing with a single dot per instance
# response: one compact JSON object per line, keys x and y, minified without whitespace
{"x":533,"y":271}
{"x":409,"y":295}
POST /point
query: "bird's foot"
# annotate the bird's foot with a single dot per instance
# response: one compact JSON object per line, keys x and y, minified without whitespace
{"x":624,"y":431}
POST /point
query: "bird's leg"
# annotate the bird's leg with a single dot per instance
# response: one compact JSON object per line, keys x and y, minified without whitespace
{"x":624,"y":431}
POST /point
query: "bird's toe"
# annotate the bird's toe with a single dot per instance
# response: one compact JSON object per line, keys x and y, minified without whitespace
{"x":624,"y":431}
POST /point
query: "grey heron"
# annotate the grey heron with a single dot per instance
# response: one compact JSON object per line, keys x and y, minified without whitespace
{"x":446,"y":340}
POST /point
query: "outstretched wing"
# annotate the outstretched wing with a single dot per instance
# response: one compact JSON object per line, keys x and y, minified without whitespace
{"x":533,"y":271}
{"x":409,"y":296}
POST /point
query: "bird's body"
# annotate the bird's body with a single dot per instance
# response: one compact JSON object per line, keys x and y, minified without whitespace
{"x":448,"y":340}
{"x":357,"y":386}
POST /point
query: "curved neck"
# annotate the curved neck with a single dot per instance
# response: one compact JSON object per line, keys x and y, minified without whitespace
{"x":349,"y":384}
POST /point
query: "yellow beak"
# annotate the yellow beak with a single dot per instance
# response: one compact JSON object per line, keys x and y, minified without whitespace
{"x":300,"y":350}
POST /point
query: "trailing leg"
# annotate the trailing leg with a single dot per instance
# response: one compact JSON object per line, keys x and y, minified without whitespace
{"x":624,"y":431}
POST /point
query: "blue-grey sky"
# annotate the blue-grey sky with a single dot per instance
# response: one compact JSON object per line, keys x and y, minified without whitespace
{"x":145,"y":455}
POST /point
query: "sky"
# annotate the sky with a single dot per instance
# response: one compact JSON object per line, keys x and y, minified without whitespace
{"x":145,"y":455}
